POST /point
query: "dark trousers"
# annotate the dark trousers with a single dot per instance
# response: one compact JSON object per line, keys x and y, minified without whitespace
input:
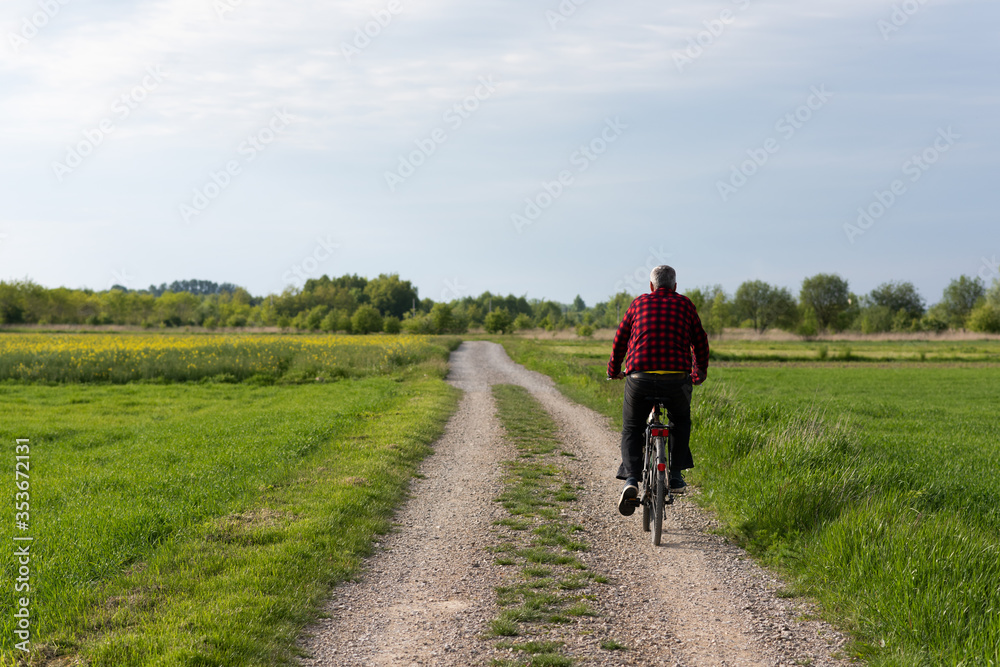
{"x":641,"y":392}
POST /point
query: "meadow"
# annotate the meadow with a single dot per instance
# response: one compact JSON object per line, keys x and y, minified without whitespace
{"x":204,"y":520}
{"x":264,"y":359}
{"x":873,"y":486}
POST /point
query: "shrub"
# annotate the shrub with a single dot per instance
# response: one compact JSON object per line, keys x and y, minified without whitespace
{"x":366,"y":320}
{"x":934,"y":321}
{"x":584,"y":330}
{"x":809,"y":326}
{"x":985,"y":318}
{"x":442,"y":318}
{"x":330,"y":322}
{"x":418,"y":324}
{"x":522,"y":322}
{"x":391,"y":325}
{"x":498,"y":321}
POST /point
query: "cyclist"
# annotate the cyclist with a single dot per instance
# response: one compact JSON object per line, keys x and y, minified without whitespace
{"x":658,"y":333}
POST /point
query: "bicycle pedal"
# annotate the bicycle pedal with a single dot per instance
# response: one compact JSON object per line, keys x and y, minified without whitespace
{"x":634,"y":502}
{"x":669,"y":500}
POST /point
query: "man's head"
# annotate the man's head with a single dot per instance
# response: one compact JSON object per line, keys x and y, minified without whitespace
{"x":663,"y":276}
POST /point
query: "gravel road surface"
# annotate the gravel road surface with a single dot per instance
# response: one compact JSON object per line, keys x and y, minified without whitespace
{"x":427,"y":596}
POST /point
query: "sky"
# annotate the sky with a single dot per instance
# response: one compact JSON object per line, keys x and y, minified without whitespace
{"x":546,"y":148}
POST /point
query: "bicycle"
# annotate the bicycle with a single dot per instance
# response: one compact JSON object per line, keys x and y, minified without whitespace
{"x":655,"y":494}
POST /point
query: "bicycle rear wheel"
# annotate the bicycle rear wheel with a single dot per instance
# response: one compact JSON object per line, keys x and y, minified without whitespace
{"x":659,"y":495}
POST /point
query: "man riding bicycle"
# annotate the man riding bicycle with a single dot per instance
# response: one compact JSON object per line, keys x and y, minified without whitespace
{"x":658,"y":333}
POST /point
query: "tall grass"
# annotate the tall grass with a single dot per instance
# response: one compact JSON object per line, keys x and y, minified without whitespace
{"x":873,"y":488}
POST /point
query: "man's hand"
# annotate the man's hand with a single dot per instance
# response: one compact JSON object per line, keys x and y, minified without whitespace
{"x":697,"y":375}
{"x":617,"y":376}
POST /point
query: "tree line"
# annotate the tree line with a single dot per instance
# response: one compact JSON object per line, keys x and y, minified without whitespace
{"x":825,"y":303}
{"x":355,"y":304}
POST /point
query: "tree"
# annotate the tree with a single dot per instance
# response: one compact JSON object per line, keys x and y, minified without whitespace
{"x":960,"y":297}
{"x":498,"y":321}
{"x":828,"y":297}
{"x":314,"y":320}
{"x":764,"y":305}
{"x":616,"y":309}
{"x":365,"y":320}
{"x":390,"y":295}
{"x":719,"y":314}
{"x":578,"y":304}
{"x":898,"y":296}
{"x":330,"y":321}
{"x":444,"y":319}
{"x":985,"y":317}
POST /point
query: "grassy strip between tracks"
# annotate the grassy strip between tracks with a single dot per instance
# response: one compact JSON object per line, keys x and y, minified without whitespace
{"x":871,"y":488}
{"x":205,"y":523}
{"x":547,"y":586}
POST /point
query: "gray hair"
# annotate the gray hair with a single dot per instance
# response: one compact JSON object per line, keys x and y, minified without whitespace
{"x":663,"y":276}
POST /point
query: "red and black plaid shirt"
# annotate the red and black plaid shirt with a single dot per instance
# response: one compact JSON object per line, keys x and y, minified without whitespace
{"x":659,"y":331}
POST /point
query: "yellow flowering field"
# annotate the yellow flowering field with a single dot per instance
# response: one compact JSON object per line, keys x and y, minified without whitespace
{"x":130,"y":357}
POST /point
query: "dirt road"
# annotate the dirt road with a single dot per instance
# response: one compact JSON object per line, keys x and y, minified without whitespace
{"x":427,"y":596}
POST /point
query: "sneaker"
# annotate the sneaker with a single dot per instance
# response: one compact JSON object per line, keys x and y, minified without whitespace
{"x":677,"y":482}
{"x":629,"y":494}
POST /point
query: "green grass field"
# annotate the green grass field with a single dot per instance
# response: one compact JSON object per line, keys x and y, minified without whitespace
{"x":736,"y":350}
{"x":873,"y":487}
{"x":204,"y":523}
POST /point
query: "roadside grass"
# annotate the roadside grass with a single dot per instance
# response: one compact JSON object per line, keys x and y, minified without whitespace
{"x":119,"y":358}
{"x":548,"y":588}
{"x":205,"y":523}
{"x":871,"y":488}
